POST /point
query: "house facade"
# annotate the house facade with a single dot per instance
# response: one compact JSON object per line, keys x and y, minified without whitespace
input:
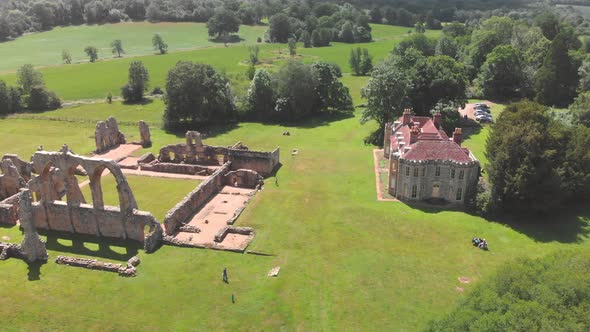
{"x":425,"y":164}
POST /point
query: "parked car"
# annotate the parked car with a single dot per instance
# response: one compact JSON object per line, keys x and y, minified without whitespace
{"x":483,"y":109}
{"x":484,"y":118}
{"x":481,"y":112}
{"x":481,"y":105}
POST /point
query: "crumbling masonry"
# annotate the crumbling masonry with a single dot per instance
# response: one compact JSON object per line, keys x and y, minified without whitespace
{"x":107,"y":135}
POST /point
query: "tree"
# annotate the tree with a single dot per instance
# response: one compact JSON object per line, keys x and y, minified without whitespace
{"x":419,"y":27}
{"x":346,"y":34}
{"x":92,"y":52}
{"x":321,"y":37}
{"x":502,"y":75}
{"x":491,"y":33}
{"x":580,"y":109}
{"x":159,"y":44}
{"x":584,"y":73}
{"x":549,"y":24}
{"x":366,"y":62}
{"x":279,"y":28}
{"x":419,"y":41}
{"x":447,"y":46}
{"x":27,"y":78}
{"x":557,"y":80}
{"x":450,"y":115}
{"x":387,"y":96}
{"x":261,"y":96}
{"x":117,"y":47}
{"x":525,"y":152}
{"x":305,"y":39}
{"x":354,"y":61}
{"x":295,"y":91}
{"x":253,"y":54}
{"x":292,"y":47}
{"x":10,"y":99}
{"x":332,"y":94}
{"x":376,"y":15}
{"x":40,"y":99}
{"x":543,"y":294}
{"x":222,"y":24}
{"x":455,"y":29}
{"x":196,"y":94}
{"x":138,"y":83}
{"x":66,"y":57}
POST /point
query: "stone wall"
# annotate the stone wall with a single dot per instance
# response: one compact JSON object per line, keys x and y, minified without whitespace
{"x":194,"y":152}
{"x":262,"y":162}
{"x":195,"y":199}
{"x":107,"y":135}
{"x":75,"y":216}
{"x":156,"y":166}
{"x":10,"y":180}
{"x":24,"y":168}
{"x":244,"y":178}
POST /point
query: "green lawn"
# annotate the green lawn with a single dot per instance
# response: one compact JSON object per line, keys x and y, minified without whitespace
{"x":169,"y":192}
{"x":45,"y":48}
{"x":95,"y":80}
{"x":348,"y":262}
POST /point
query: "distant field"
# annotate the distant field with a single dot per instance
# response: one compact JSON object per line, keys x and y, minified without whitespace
{"x":44,"y":49}
{"x":95,"y":80}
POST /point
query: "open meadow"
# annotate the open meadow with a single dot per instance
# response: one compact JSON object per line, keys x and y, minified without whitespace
{"x":348,"y":261}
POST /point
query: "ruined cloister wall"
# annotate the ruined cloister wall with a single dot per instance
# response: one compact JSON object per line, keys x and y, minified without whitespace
{"x":162,"y":167}
{"x":195,"y":199}
{"x":262,"y":162}
{"x":243,"y":178}
{"x":75,"y":216}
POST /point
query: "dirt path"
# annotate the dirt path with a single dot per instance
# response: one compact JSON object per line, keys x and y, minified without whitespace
{"x":377,"y":153}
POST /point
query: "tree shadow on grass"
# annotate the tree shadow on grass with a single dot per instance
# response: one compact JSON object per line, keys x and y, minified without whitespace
{"x":320,"y":120}
{"x":570,"y":225}
{"x":79,"y":246}
{"x":231,"y":39}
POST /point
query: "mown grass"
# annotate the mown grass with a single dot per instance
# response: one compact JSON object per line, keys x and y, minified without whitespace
{"x":45,"y":48}
{"x":348,"y":262}
{"x":96,"y":80}
{"x":157,"y":195}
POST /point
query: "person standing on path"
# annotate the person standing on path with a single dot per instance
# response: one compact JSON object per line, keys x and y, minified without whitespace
{"x":224,"y":275}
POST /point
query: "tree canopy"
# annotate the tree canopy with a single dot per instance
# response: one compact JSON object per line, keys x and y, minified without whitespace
{"x":196,"y":94}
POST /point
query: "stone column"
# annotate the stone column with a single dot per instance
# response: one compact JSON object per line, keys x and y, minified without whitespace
{"x":32,"y":246}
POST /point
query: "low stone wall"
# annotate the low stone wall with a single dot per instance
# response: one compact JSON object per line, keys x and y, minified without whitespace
{"x":244,"y":178}
{"x":127,"y":270}
{"x":106,"y":222}
{"x":156,"y":166}
{"x":8,"y":214}
{"x":220,"y":236}
{"x":262,"y":162}
{"x":195,"y":199}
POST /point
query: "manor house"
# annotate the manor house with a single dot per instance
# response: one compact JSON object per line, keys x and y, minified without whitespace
{"x":425,"y":164}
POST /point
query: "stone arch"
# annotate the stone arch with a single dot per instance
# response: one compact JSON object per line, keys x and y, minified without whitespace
{"x":73,"y":193}
{"x":126,"y":199}
{"x":50,"y":188}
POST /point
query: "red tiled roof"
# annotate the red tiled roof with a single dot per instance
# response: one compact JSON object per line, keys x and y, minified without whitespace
{"x":432,"y":144}
{"x":438,"y":150}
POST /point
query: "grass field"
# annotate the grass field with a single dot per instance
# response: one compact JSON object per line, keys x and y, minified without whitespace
{"x":169,"y":192}
{"x":348,"y":262}
{"x":44,"y":49}
{"x":95,"y":80}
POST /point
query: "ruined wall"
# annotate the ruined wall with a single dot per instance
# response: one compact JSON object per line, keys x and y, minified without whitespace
{"x":107,"y":135}
{"x":262,"y":162}
{"x":10,"y":180}
{"x":8,"y":214}
{"x":157,"y":166}
{"x":244,"y":178}
{"x":74,"y":216}
{"x":195,"y":199}
{"x":24,"y":168}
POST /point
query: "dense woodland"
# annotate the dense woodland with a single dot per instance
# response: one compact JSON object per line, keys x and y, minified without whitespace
{"x":21,"y":16}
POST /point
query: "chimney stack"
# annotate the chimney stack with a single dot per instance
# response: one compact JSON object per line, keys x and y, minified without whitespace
{"x":407,"y":117}
{"x":414,"y":133}
{"x":437,"y":119}
{"x":458,"y":136}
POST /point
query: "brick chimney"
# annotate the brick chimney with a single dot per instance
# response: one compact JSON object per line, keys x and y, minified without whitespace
{"x":458,"y":136}
{"x":407,"y":117}
{"x":437,"y":119}
{"x":414,"y":133}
